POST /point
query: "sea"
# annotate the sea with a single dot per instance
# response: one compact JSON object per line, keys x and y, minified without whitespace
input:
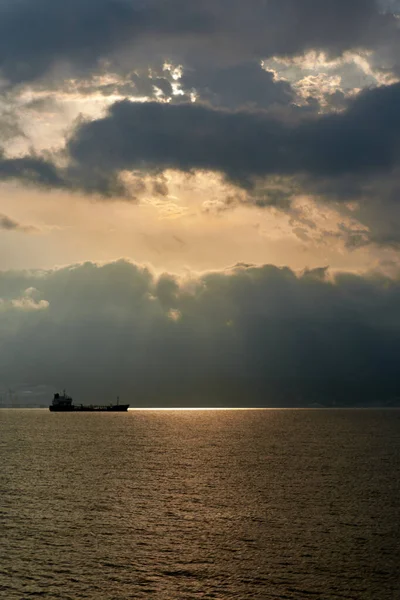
{"x":208,"y":504}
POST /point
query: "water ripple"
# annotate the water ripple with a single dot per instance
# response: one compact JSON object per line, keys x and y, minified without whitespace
{"x":211,"y":505}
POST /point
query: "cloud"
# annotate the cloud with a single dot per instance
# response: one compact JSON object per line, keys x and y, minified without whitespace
{"x":246,"y":84}
{"x":245,"y":336}
{"x":30,"y":169}
{"x":343,"y":157}
{"x":243,"y":144}
{"x":9,"y":126}
{"x":36,"y":36}
{"x":42,"y":171}
{"x":338,"y":158}
{"x":26,"y":303}
{"x":8,"y":224}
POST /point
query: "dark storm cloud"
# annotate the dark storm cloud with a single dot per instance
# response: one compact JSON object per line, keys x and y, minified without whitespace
{"x":291,"y":26}
{"x":243,"y":145}
{"x":36,"y":35}
{"x":378,"y":208}
{"x":250,"y":335}
{"x":41,"y":171}
{"x":237,"y":86}
{"x":30,"y":169}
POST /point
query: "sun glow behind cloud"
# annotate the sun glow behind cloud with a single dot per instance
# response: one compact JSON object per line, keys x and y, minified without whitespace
{"x":181,"y":231}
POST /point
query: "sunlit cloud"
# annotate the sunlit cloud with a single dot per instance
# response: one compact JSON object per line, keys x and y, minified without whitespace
{"x":318,"y":76}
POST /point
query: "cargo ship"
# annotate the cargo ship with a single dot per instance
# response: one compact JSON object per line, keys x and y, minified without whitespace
{"x":63,"y":403}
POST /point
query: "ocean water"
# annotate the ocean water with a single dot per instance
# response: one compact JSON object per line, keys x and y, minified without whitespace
{"x":284,"y":504}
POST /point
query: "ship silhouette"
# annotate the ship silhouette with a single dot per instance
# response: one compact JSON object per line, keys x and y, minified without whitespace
{"x":64,"y":403}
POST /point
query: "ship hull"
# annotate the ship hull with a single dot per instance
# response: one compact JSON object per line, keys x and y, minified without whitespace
{"x":82,"y":408}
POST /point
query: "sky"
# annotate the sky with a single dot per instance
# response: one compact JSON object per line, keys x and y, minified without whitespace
{"x":199,"y":202}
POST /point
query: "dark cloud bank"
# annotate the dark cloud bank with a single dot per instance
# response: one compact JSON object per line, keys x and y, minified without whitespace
{"x":243,"y":144}
{"x":251,"y":336}
{"x":37,"y":35}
